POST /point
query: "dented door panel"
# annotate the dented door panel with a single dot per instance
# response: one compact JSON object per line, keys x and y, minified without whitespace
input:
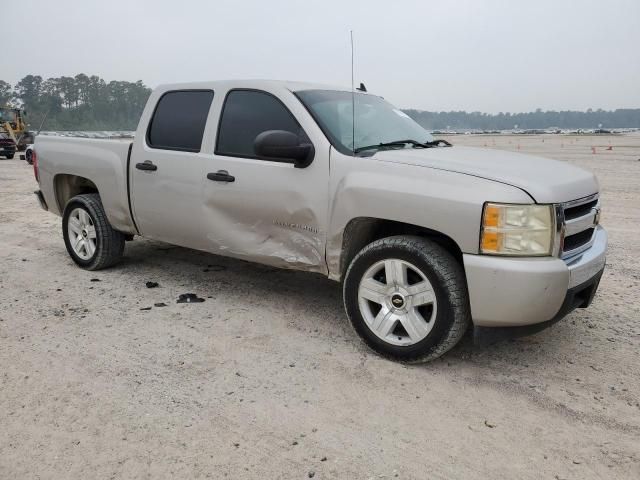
{"x":271,"y":213}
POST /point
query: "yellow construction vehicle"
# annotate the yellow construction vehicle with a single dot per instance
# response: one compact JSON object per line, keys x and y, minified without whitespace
{"x":13,"y":123}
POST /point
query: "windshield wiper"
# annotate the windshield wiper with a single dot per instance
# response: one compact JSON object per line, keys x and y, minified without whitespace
{"x":395,"y":143}
{"x":389,"y":144}
{"x":437,"y":143}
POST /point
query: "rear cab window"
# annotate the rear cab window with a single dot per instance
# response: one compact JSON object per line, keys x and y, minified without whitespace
{"x":179,"y":120}
{"x":248,"y":113}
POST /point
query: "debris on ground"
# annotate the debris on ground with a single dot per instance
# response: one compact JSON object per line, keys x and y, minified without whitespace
{"x":152,"y":284}
{"x":189,"y":298}
{"x":160,"y":304}
{"x":95,"y":280}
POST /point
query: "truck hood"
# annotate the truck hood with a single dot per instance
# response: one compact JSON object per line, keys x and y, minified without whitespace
{"x":545,"y":180}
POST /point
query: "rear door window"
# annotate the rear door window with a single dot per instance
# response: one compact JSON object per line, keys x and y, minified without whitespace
{"x":179,"y":120}
{"x":248,"y":113}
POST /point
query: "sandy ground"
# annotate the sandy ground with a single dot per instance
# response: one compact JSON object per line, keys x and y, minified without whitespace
{"x":266,"y":379}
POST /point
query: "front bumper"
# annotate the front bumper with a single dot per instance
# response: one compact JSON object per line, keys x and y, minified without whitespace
{"x":506,"y":292}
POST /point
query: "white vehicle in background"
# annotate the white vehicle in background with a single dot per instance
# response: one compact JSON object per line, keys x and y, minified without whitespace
{"x":28,"y":154}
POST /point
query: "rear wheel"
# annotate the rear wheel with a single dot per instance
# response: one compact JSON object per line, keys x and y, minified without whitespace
{"x":90,"y":240}
{"x":29,"y":157}
{"x":407,"y":298}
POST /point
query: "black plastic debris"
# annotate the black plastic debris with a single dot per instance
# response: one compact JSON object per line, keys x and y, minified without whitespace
{"x":189,"y":298}
{"x":146,"y":308}
{"x":152,"y":284}
{"x":95,"y":280}
{"x":160,"y":304}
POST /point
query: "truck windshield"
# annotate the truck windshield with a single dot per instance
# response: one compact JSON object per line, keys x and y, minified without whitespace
{"x":376,"y":120}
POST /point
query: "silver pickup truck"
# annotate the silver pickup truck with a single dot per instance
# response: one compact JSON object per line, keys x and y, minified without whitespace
{"x":426,"y":238}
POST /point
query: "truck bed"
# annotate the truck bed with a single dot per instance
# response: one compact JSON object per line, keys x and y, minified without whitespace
{"x":101,"y":160}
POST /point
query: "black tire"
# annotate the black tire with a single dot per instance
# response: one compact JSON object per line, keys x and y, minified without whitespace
{"x":29,"y":157}
{"x":446,"y":275}
{"x":10,"y":157}
{"x":109,"y":242}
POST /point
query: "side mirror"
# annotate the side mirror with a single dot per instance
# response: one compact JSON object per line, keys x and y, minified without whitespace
{"x":283,"y":145}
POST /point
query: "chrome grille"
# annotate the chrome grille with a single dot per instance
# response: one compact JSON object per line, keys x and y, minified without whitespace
{"x":579,"y":219}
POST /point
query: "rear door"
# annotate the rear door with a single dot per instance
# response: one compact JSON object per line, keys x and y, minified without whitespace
{"x":165,"y":171}
{"x":265,"y":211}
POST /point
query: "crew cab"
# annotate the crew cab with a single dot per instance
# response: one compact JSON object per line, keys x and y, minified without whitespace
{"x":426,"y":238}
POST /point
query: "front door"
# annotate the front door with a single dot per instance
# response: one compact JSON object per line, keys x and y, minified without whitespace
{"x":261,"y":210}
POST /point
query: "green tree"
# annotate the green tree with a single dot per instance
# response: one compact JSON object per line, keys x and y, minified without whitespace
{"x":5,"y":93}
{"x":87,"y":102}
{"x":28,"y":91}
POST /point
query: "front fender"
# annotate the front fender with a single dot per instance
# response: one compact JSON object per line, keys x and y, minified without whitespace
{"x":446,"y":202}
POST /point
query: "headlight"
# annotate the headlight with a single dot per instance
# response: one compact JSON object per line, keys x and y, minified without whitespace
{"x":522,"y":230}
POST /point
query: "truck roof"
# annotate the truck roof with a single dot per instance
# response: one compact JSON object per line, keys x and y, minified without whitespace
{"x":258,"y":84}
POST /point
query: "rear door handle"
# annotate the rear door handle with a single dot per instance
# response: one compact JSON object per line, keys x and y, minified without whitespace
{"x":221,"y":176}
{"x":147,"y":165}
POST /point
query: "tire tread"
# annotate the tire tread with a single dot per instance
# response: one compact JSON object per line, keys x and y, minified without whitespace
{"x":110,"y":242}
{"x":453,"y":283}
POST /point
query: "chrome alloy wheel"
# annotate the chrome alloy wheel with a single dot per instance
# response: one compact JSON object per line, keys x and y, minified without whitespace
{"x":397,"y":302}
{"x":82,"y":234}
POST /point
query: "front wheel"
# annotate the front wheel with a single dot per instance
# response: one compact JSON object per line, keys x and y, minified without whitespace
{"x":29,"y":157}
{"x":90,"y":240}
{"x":10,"y":157}
{"x":407,"y":298}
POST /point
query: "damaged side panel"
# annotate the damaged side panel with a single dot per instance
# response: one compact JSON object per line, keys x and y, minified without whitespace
{"x":271,"y":213}
{"x":277,"y":227}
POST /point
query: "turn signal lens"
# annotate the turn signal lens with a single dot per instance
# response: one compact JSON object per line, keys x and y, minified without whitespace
{"x":491,"y":215}
{"x":517,"y":230}
{"x":490,"y":242}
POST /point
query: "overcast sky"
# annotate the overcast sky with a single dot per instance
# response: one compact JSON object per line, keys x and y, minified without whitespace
{"x":475,"y":55}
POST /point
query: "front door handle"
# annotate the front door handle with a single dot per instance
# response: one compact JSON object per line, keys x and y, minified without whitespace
{"x":221,"y":176}
{"x":147,"y":165}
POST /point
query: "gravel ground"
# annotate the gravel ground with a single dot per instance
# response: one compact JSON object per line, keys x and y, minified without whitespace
{"x":265,"y":379}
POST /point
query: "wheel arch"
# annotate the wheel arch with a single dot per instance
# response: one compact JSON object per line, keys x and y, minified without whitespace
{"x":361,"y":231}
{"x":67,"y":186}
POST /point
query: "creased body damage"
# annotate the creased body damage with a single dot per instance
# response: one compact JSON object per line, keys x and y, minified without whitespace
{"x":279,"y":222}
{"x":284,"y":239}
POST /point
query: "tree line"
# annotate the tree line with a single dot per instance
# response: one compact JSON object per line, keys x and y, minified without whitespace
{"x":568,"y":119}
{"x":86,"y":102}
{"x":81,"y":102}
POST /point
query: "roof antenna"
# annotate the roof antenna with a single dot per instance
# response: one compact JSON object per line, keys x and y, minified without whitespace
{"x":353,"y":102}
